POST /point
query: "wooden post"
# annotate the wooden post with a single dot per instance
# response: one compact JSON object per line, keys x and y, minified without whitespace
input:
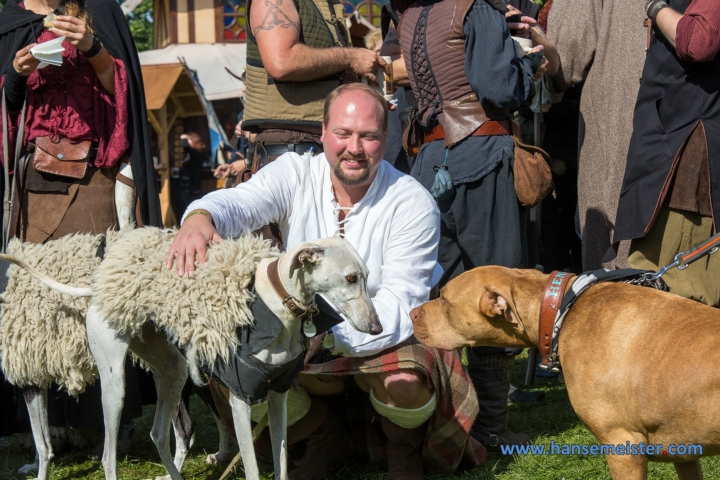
{"x":159,"y":121}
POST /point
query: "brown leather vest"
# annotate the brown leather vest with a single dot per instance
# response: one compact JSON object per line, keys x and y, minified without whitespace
{"x":433,"y":43}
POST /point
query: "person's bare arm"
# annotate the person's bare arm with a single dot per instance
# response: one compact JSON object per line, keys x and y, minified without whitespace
{"x":549,"y":50}
{"x":79,"y":35}
{"x":667,"y":20}
{"x":276,"y":27}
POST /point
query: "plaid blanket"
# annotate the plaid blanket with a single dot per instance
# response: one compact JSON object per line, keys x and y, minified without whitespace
{"x":447,"y":442}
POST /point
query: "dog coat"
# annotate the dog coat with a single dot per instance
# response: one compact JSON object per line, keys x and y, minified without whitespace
{"x":246,"y":376}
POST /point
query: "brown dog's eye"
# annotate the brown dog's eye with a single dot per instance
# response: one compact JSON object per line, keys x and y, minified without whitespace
{"x":351,"y":278}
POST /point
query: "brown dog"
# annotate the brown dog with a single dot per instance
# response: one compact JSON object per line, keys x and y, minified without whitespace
{"x":641,"y":365}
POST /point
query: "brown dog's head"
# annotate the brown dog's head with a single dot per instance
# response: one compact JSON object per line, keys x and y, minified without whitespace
{"x":480,"y":307}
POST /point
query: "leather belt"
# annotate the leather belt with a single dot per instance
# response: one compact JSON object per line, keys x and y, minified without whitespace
{"x":552,"y":297}
{"x":489,"y":128}
{"x":264,"y":150}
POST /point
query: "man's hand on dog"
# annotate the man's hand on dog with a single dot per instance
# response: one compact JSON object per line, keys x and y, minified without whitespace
{"x":191,"y":241}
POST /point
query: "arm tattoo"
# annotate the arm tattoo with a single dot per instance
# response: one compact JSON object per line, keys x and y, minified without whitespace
{"x":276,"y":17}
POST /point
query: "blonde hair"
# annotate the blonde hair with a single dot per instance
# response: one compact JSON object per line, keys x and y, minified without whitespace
{"x":73,"y":8}
{"x":372,"y":38}
{"x":355,"y":87}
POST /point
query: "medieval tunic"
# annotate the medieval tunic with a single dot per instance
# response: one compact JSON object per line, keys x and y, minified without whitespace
{"x":601,"y":42}
{"x":483,"y":223}
{"x":670,"y":191}
{"x":673,"y":96}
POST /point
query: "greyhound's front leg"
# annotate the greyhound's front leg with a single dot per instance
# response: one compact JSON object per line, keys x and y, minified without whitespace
{"x":277,"y":417}
{"x":243,"y":429}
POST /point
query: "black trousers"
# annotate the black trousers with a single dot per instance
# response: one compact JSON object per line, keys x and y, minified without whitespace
{"x":483,"y":224}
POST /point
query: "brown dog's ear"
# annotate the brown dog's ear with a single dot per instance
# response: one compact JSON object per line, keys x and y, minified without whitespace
{"x":495,"y":303}
{"x":304,"y":257}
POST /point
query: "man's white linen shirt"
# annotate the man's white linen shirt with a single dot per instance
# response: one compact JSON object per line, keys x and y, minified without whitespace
{"x":395,"y":229}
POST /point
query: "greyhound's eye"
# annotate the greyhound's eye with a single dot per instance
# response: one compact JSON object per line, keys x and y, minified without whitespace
{"x":351,"y":278}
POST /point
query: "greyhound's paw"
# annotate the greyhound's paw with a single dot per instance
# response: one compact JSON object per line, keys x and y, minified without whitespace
{"x":164,"y":477}
{"x":29,"y":468}
{"x":215,"y":458}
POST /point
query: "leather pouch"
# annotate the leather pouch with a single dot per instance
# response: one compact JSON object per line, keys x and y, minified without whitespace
{"x":533,"y":177}
{"x":412,"y":137}
{"x":57,"y":156}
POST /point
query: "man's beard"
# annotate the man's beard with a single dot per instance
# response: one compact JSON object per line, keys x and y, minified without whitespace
{"x":361,"y":178}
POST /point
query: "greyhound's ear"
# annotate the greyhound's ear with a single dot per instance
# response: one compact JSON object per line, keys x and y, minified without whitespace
{"x":304,"y":257}
{"x":495,"y":303}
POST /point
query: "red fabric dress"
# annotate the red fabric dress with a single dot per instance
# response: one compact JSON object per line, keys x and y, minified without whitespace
{"x":69,"y":101}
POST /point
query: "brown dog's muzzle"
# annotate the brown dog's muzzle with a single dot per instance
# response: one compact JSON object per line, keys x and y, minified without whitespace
{"x":417,"y":315}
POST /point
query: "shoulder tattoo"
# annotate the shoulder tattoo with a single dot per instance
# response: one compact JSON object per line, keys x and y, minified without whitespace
{"x":275,"y":17}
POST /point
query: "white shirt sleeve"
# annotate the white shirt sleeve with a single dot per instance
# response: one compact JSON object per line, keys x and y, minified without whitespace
{"x":266,"y":198}
{"x":407,"y":271}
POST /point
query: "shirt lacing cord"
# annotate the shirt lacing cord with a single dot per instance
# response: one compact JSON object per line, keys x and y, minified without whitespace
{"x":340,"y":230}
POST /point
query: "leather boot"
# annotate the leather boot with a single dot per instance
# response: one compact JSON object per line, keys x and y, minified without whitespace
{"x":328,"y":444}
{"x":404,"y":450}
{"x":490,"y":374}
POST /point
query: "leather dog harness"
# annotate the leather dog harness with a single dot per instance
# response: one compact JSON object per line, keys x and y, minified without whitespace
{"x":558,"y":298}
{"x":552,"y":296}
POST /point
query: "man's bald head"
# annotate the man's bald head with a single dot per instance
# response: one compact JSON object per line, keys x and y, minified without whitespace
{"x":373,"y":95}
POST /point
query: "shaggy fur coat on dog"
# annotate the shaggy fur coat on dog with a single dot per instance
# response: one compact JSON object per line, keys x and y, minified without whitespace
{"x":200,"y":314}
{"x":42,"y":331}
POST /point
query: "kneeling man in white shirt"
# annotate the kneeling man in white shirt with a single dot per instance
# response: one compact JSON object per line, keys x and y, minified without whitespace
{"x":394,"y":225}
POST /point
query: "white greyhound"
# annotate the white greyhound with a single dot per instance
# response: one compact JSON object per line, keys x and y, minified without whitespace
{"x":330,"y":267}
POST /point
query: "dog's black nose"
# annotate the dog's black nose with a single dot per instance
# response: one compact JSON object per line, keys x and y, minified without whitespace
{"x":375,"y":328}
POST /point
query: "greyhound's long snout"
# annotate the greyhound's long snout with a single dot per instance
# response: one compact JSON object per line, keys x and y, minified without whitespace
{"x":375,"y":328}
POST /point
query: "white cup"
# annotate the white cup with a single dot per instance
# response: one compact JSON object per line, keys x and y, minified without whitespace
{"x":525,"y":45}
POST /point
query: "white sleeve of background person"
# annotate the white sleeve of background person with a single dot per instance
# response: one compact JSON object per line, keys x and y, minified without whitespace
{"x":266,"y":198}
{"x":408,"y":261}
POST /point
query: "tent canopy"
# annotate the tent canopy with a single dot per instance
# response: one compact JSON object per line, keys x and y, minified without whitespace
{"x":218,"y":65}
{"x":170,"y":80}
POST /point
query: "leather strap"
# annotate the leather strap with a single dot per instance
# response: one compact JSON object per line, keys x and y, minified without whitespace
{"x":489,"y":128}
{"x":295,"y":306}
{"x":552,"y":297}
{"x":9,"y":193}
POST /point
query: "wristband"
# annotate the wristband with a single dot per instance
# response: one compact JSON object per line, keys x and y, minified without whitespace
{"x":95,"y":49}
{"x":652,"y":7}
{"x":200,"y":212}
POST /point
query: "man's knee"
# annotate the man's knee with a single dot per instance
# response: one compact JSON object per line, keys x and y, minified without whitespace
{"x":407,"y":388}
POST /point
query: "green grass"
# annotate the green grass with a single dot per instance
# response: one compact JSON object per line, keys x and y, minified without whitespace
{"x":550,"y":420}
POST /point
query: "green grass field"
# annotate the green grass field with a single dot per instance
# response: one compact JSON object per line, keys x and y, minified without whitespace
{"x":546,"y":421}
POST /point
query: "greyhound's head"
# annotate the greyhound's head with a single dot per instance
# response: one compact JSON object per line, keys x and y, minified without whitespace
{"x":332,"y":267}
{"x":480,"y":308}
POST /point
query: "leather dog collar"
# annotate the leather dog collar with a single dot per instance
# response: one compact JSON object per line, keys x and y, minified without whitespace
{"x":295,"y":306}
{"x":552,"y":296}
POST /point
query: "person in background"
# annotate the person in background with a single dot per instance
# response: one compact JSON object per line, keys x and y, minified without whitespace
{"x":671,"y":189}
{"x":374,"y":40}
{"x":95,"y":97}
{"x":186,"y":180}
{"x":603,"y":44}
{"x":464,"y":94}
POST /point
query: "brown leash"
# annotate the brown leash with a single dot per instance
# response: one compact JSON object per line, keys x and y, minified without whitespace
{"x":552,"y":297}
